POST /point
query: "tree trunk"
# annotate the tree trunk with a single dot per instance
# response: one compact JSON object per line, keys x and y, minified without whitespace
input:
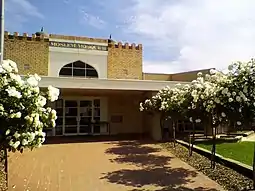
{"x":162,"y":125}
{"x":4,"y":161}
{"x":213,"y":147}
{"x":193,"y":138}
{"x":190,"y":149}
{"x":174,"y":132}
{"x":254,"y":167}
{"x":6,"y":165}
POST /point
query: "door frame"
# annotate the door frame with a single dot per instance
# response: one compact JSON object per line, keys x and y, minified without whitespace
{"x":78,"y":99}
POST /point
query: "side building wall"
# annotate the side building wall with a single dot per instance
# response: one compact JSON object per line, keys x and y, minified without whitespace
{"x":183,"y":76}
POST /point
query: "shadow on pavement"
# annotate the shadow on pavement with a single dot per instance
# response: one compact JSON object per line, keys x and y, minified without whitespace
{"x":179,"y":188}
{"x":150,"y":169}
{"x":160,"y":177}
{"x":91,"y":138}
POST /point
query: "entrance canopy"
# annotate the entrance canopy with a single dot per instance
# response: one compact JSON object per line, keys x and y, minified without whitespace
{"x":106,"y":84}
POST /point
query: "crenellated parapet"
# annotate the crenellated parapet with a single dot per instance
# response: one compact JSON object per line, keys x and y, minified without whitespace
{"x":121,"y":45}
{"x":25,"y":36}
{"x":77,"y":38}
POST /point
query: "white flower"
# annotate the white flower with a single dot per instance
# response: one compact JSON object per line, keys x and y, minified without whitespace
{"x":245,"y":89}
{"x":225,"y":91}
{"x":238,"y":123}
{"x":13,"y":65}
{"x":198,"y":120}
{"x":41,"y":101}
{"x":24,"y":142}
{"x":35,"y":89}
{"x":1,"y":69}
{"x":16,"y":144}
{"x":29,"y":119}
{"x":15,"y":115}
{"x":199,"y":74}
{"x":13,"y":92}
{"x":53,"y":93}
{"x":190,"y":119}
{"x":32,"y":81}
{"x":230,"y":99}
{"x":16,"y":78}
{"x":31,"y":136}
{"x":53,"y":123}
{"x":223,"y":114}
{"x":54,"y":114}
{"x":7,"y":132}
{"x":16,"y":135}
{"x":238,"y":98}
{"x":212,"y":71}
{"x":38,"y":78}
{"x":6,"y":66}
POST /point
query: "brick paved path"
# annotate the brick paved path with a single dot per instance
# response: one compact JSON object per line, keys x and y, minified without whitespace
{"x":103,"y":166}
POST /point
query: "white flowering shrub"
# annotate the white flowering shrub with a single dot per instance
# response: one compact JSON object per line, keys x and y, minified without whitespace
{"x":23,"y":111}
{"x":217,"y":98}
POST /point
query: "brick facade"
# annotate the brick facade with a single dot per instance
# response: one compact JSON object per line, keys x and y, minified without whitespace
{"x":125,"y":61}
{"x":160,"y":77}
{"x":30,"y":53}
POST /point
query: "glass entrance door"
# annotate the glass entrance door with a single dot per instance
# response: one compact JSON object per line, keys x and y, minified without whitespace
{"x":71,"y":117}
{"x":85,"y":117}
{"x":82,"y":117}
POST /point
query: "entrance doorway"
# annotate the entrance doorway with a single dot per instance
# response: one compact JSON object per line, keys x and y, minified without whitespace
{"x":78,"y":117}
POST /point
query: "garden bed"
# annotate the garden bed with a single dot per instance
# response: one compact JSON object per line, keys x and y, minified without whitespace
{"x":228,"y":178}
{"x":2,"y":175}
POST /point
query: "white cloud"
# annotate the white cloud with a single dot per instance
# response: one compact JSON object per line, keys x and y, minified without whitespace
{"x":159,"y":67}
{"x":210,"y":33}
{"x":18,"y":12}
{"x":92,"y":20}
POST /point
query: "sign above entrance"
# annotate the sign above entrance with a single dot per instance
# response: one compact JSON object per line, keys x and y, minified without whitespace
{"x":78,"y":45}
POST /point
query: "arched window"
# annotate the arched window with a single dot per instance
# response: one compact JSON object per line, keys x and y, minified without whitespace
{"x":78,"y":69}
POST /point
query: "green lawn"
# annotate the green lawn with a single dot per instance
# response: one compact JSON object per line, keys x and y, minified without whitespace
{"x":242,"y":151}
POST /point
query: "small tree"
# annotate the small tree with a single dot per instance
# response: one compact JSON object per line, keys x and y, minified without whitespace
{"x":216,"y":100}
{"x":23,"y":110}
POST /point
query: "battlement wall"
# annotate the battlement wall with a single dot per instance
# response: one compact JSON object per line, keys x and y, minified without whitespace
{"x":125,"y":61}
{"x":78,"y":38}
{"x":121,"y":45}
{"x":31,"y":53}
{"x":25,"y":36}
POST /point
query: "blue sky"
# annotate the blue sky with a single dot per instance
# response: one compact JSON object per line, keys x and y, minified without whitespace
{"x":177,"y":35}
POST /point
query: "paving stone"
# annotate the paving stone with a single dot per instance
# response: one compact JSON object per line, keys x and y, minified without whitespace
{"x":104,"y":166}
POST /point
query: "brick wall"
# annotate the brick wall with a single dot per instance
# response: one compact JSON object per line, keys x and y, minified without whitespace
{"x":29,"y":52}
{"x":125,"y":61}
{"x":183,"y":76}
{"x":188,"y":76}
{"x":160,"y":77}
{"x":127,"y":107}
